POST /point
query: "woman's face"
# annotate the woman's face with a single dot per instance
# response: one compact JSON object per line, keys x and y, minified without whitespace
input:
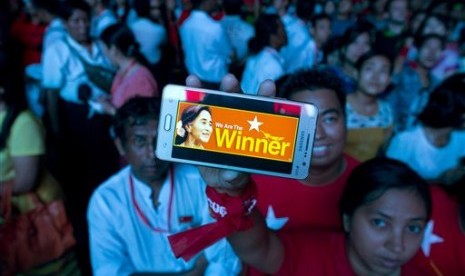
{"x":375,"y":75}
{"x":430,"y":52}
{"x":201,"y":128}
{"x":386,"y":233}
{"x":358,"y":47}
{"x":330,"y":131}
{"x":109,"y":52}
{"x":78,"y":26}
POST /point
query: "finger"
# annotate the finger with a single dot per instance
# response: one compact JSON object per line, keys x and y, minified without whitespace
{"x":230,"y":83}
{"x":193,"y":81}
{"x":267,"y":88}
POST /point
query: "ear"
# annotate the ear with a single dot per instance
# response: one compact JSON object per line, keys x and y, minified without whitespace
{"x":188,"y":128}
{"x":119,"y":146}
{"x":346,"y":223}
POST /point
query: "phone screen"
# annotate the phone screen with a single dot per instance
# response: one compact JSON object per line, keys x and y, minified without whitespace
{"x":234,"y":131}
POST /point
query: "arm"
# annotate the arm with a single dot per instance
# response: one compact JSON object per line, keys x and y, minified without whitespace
{"x":52,"y":110}
{"x":258,"y":246}
{"x":27,"y":172}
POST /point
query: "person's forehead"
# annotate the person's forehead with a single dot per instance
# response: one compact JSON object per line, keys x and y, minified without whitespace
{"x":319,"y":97}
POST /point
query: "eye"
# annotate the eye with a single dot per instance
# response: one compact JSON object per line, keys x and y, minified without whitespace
{"x":331,"y":119}
{"x":380,"y":223}
{"x":415,"y":229}
{"x":139,"y":141}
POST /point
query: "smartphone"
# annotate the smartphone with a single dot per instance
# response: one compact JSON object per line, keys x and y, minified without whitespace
{"x":254,"y":134}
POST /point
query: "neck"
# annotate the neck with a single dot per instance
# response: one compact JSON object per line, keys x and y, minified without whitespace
{"x":363,"y":103}
{"x":124,"y":63}
{"x":349,"y":69}
{"x":193,"y":143}
{"x":438,"y":137}
{"x":324,"y":175}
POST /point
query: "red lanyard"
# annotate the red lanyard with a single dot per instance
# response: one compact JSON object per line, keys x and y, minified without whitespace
{"x":142,"y":215}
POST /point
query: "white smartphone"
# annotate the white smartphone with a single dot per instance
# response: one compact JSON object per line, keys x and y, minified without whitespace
{"x":240,"y":132}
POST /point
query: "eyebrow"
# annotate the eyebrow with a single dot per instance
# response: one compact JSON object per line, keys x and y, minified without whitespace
{"x":331,"y":110}
{"x":380,"y":213}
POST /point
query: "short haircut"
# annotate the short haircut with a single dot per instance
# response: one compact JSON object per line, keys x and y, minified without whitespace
{"x":311,"y":79}
{"x":318,"y":17}
{"x":69,"y":6}
{"x":360,"y":27}
{"x":136,"y":111}
{"x":446,"y":104}
{"x":370,"y":54}
{"x":370,"y":180}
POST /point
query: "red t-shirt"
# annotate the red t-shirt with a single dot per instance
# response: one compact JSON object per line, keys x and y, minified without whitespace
{"x":305,"y":207}
{"x":322,"y":253}
{"x":443,"y":247}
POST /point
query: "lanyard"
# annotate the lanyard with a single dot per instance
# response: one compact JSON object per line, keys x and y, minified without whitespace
{"x":142,"y":215}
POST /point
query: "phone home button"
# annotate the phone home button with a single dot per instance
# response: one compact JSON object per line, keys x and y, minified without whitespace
{"x":167,"y":122}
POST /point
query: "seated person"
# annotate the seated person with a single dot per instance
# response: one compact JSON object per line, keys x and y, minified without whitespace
{"x":435,"y":145}
{"x":131,"y":214}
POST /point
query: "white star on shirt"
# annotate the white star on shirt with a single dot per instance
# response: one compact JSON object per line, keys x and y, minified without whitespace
{"x":429,"y":238}
{"x":255,"y":124}
{"x":272,"y":221}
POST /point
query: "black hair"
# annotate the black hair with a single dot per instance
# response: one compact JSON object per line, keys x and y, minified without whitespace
{"x":420,"y":40}
{"x":305,"y":9}
{"x":318,"y":17}
{"x":188,"y":116}
{"x":69,"y":6}
{"x":370,"y":54}
{"x":122,"y":38}
{"x":232,"y":7}
{"x":446,"y":104}
{"x":311,"y":79}
{"x":52,"y":6}
{"x":137,"y":111}
{"x":360,"y":27}
{"x":265,"y":26}
{"x":12,"y":95}
{"x":371,"y":179}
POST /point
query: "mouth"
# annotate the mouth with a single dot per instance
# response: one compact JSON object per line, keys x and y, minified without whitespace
{"x":389,"y":263}
{"x":320,"y":150}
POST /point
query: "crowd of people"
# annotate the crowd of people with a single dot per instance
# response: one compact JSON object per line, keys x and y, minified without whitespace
{"x":80,"y":83}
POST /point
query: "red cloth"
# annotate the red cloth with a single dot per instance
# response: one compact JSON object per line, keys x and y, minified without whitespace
{"x":306,"y":207}
{"x":232,"y":214}
{"x":447,"y":256}
{"x":30,"y":36}
{"x":322,"y":253}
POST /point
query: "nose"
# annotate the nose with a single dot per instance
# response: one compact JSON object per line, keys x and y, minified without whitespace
{"x":151,"y":151}
{"x":395,"y":242}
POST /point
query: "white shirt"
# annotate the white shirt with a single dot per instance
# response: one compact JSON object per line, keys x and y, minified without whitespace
{"x":239,"y":33}
{"x":299,"y":52}
{"x":62,"y":70}
{"x":412,"y":147}
{"x":151,"y":36}
{"x":122,"y":244}
{"x":55,"y":31}
{"x":267,"y":64}
{"x":206,"y":47}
